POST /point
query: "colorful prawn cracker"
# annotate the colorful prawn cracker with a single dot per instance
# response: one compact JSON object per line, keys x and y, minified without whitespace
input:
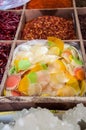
{"x":46,"y":68}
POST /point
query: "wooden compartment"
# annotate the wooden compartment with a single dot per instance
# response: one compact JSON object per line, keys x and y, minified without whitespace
{"x":17,"y":103}
{"x":82,"y":12}
{"x":61,"y":103}
{"x":31,"y":14}
{"x":19,"y":12}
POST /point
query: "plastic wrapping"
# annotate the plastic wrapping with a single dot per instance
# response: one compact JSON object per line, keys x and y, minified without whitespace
{"x":8,"y":4}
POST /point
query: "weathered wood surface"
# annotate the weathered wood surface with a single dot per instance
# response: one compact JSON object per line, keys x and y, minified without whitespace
{"x":19,"y":103}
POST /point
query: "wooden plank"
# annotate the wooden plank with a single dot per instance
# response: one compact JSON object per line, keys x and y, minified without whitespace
{"x":18,"y":103}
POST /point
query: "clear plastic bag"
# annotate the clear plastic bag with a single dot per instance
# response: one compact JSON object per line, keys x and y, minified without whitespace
{"x":8,"y":4}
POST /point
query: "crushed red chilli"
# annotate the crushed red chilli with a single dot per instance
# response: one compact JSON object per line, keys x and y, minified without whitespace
{"x":4,"y":53}
{"x":8,"y":25}
{"x":44,"y":26}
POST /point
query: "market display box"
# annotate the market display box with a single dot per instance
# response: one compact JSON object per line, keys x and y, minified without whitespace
{"x":17,"y":103}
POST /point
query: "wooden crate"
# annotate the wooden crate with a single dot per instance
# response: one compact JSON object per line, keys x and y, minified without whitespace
{"x":62,"y":103}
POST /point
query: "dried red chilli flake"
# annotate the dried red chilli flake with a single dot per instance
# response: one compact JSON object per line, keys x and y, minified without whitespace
{"x":45,"y":26}
{"x":4,"y":54}
{"x":8,"y":25}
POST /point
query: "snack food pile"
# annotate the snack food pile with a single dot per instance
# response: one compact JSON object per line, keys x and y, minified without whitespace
{"x":46,"y":68}
{"x":44,"y":26}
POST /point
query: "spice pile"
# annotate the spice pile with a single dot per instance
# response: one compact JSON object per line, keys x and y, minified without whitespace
{"x":81,"y":3}
{"x":41,"y":4}
{"x":44,"y":26}
{"x":4,"y":53}
{"x":46,"y":68}
{"x":82,"y":19}
{"x":8,"y":25}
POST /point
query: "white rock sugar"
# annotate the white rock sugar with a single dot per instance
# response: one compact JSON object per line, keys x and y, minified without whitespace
{"x":43,"y":119}
{"x":76,"y":114}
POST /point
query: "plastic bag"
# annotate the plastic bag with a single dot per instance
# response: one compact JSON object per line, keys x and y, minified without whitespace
{"x":8,"y":4}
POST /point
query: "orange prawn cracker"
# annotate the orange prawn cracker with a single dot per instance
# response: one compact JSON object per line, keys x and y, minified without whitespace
{"x":56,"y":42}
{"x":24,"y":85}
{"x":80,"y":73}
{"x":74,"y":84}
